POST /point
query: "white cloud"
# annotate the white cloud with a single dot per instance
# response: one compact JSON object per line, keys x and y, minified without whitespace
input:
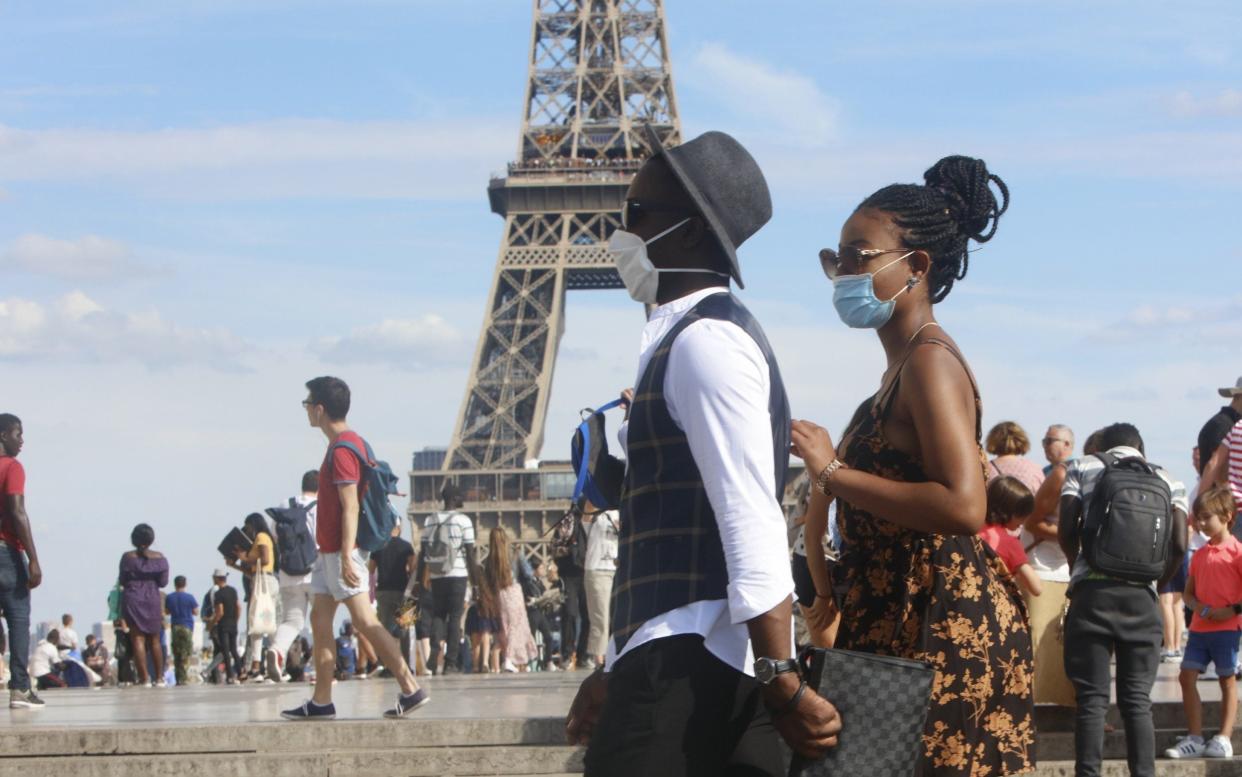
{"x":87,"y":258}
{"x":1226,"y":103}
{"x":77,"y":329}
{"x":1208,"y":324}
{"x":409,"y":344}
{"x":789,"y":103}
{"x":272,"y":159}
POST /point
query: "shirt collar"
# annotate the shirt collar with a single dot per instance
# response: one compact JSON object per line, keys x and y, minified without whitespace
{"x":1126,"y":452}
{"x":682,"y":304}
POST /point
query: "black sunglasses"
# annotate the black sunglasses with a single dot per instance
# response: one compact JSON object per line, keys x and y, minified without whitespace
{"x":634,"y":210}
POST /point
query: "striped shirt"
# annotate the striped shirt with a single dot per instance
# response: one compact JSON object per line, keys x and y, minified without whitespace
{"x":1234,"y":443}
{"x":1081,"y":477}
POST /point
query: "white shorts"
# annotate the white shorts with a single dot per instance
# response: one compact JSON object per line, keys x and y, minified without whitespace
{"x":326,"y":576}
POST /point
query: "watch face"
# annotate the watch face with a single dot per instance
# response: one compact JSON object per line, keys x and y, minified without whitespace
{"x":764,"y":671}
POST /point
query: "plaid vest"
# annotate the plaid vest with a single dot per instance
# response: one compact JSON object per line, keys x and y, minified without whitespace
{"x":670,"y":553}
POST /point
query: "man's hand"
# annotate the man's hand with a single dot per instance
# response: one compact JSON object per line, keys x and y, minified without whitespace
{"x":34,"y":575}
{"x":811,"y":727}
{"x":584,"y":712}
{"x":349,"y":575}
{"x":1220,"y":613}
{"x":627,"y":399}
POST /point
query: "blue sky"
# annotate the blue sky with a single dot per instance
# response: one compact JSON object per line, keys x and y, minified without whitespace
{"x":202,"y":204}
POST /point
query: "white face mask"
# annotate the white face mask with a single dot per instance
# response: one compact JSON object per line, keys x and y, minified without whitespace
{"x":640,"y":276}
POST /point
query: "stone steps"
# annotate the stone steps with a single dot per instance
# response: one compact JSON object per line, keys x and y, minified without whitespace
{"x":440,"y":747}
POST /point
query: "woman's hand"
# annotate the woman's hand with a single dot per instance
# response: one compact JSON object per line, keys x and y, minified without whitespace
{"x":821,"y":620}
{"x":813,"y":445}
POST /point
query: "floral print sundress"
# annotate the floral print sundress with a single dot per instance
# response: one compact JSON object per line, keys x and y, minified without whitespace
{"x":947,"y":600}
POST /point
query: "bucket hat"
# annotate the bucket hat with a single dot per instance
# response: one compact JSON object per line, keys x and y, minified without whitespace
{"x":1232,"y":391}
{"x":725,"y":184}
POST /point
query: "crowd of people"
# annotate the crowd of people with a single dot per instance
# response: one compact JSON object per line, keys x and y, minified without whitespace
{"x":440,"y":609}
{"x":920,"y":537}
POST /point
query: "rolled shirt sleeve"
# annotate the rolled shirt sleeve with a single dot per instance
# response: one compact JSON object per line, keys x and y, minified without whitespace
{"x":717,"y":389}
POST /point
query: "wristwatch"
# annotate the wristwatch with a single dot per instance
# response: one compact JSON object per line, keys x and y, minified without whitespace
{"x":766,"y":669}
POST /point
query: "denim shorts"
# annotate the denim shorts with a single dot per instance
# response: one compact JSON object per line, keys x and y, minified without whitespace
{"x":1215,"y":647}
{"x":326,"y":576}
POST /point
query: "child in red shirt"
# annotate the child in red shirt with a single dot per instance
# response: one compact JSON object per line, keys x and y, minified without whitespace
{"x":1214,"y":594}
{"x":1009,"y":504}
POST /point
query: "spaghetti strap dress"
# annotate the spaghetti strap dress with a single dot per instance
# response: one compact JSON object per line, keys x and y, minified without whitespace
{"x":947,"y":600}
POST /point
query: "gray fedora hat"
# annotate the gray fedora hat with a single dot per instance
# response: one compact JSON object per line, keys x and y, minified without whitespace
{"x":1232,"y":391}
{"x":725,"y":184}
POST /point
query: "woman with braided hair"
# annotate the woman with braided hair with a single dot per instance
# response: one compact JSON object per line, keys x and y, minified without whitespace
{"x":909,"y":476}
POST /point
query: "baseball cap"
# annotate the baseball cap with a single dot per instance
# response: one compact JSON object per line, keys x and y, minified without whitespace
{"x":1232,"y":391}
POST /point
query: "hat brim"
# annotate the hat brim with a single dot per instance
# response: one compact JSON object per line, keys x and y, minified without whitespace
{"x":1232,"y":391}
{"x":700,"y":202}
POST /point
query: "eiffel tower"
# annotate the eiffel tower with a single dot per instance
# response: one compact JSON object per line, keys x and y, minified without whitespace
{"x":598,"y":72}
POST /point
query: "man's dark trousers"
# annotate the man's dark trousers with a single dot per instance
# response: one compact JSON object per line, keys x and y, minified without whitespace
{"x":574,"y":619}
{"x":448,"y":602}
{"x":1104,"y":617}
{"x":674,"y":709}
{"x":226,"y":645}
{"x":15,"y":601}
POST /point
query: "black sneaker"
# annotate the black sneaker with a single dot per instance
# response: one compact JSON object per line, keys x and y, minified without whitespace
{"x":311,"y":711}
{"x":24,"y":700}
{"x":407,"y":704}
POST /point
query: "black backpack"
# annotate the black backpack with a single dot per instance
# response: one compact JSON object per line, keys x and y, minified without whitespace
{"x":441,"y":552}
{"x":1129,"y":523}
{"x":569,"y":543}
{"x":295,"y":546}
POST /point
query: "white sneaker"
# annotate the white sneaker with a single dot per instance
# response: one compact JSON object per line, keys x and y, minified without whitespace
{"x":1189,"y":746}
{"x":274,"y":665}
{"x":508,"y":666}
{"x":1218,"y":747}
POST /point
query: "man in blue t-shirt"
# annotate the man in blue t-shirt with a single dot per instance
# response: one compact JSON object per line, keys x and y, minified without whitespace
{"x":182,"y":608}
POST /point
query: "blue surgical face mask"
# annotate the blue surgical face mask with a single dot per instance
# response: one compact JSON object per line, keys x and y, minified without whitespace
{"x":854,"y":298}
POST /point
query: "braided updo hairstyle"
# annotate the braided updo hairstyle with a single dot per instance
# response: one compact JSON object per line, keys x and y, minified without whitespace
{"x":956,"y":204}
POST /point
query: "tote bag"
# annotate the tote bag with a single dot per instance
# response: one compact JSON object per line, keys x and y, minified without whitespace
{"x":262,"y":615}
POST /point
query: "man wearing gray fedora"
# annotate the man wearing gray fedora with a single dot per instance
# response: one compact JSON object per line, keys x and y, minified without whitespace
{"x":699,"y":677}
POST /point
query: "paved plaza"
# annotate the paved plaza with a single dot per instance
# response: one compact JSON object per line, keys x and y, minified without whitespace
{"x":539,"y":695}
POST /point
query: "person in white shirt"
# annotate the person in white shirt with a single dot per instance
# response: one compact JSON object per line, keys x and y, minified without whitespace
{"x":295,"y":590}
{"x":702,"y":595}
{"x":45,"y":663}
{"x":68,"y":637}
{"x":447,"y":557}
{"x":599,"y":569}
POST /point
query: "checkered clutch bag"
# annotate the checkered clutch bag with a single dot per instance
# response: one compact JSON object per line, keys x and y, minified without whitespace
{"x":883,"y":703}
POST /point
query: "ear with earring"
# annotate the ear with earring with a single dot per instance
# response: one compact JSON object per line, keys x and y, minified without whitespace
{"x":912,"y":282}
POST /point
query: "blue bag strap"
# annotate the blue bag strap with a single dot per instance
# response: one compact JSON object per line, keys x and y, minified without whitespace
{"x":580,"y":485}
{"x":364,"y":459}
{"x":585,"y":428}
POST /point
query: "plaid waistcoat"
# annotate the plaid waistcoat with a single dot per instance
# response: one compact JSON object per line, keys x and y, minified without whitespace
{"x":670,"y":553}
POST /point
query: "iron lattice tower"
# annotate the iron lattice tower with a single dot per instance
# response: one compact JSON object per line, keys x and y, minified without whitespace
{"x":598,"y":71}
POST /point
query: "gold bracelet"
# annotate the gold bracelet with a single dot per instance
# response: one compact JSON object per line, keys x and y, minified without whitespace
{"x":826,"y":474}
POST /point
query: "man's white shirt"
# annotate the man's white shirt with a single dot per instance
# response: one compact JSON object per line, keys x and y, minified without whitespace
{"x":717,"y":389}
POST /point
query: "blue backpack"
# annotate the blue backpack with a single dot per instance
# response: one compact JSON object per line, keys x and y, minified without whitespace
{"x":376,"y":516}
{"x":600,"y":475}
{"x":296,"y":549}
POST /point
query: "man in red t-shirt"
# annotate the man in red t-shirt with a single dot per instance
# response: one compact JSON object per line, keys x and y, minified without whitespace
{"x":340,"y":572}
{"x":18,"y":575}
